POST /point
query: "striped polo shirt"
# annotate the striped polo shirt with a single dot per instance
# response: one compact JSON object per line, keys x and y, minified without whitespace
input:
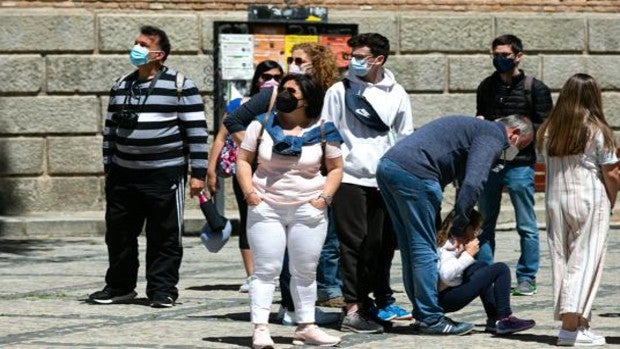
{"x":170,"y":126}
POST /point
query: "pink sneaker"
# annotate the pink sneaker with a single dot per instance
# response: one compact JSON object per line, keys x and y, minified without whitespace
{"x":261,"y":339}
{"x":313,"y":335}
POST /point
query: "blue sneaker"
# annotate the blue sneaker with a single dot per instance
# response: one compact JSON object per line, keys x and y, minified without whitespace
{"x":445,"y":326}
{"x":391,"y":312}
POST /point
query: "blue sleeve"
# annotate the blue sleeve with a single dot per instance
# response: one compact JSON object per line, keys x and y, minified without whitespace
{"x":484,"y":151}
{"x":239,"y":119}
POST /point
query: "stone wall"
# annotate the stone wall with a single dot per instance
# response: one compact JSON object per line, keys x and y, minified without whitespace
{"x":56,"y":67}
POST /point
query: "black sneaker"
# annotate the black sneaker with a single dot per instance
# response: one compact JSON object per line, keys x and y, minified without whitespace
{"x":162,"y":302}
{"x":445,"y":326}
{"x":360,"y":322}
{"x":111,"y":296}
{"x":513,"y":324}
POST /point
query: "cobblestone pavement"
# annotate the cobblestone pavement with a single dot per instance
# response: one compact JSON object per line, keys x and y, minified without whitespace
{"x":44,"y":284}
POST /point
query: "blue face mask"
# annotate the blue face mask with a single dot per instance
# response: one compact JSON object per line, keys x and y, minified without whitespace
{"x":358,"y":67}
{"x":503,"y":64}
{"x":139,"y":55}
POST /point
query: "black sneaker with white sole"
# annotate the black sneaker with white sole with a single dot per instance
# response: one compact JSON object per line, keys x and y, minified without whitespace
{"x":162,"y":302}
{"x":111,"y":296}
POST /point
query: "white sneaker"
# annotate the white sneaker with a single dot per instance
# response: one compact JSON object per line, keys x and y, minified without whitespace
{"x":261,"y":339}
{"x":582,"y":337}
{"x":245,"y":287}
{"x":287,"y":318}
{"x":313,"y":335}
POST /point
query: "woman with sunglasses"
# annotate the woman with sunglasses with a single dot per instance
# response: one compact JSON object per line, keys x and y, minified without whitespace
{"x":287,"y":199}
{"x":266,"y":76}
{"x":462,"y":279}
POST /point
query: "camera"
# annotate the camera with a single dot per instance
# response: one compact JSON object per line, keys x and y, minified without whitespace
{"x":125,"y":118}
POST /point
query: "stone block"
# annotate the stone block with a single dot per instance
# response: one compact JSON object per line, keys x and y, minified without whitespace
{"x":70,"y":193}
{"x":75,"y":155}
{"x":466,"y":72}
{"x":22,"y":156}
{"x":208,"y":18}
{"x":444,"y":33}
{"x":420,"y":72}
{"x":383,"y":22}
{"x":557,"y":69}
{"x":49,"y":115}
{"x":606,"y":70}
{"x":46,"y":31}
{"x":21,"y":73}
{"x":85,"y":73}
{"x":117,"y":32}
{"x":97,"y":74}
{"x":611,"y":108}
{"x":428,"y":107}
{"x":198,"y":68}
{"x":545,"y":32}
{"x":604,"y":34}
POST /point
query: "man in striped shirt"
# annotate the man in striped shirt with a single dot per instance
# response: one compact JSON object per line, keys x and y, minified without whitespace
{"x":155,"y":121}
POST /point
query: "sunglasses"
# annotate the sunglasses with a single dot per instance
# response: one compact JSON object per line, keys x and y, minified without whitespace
{"x":267,"y":77}
{"x":290,"y":90}
{"x":297,"y":61}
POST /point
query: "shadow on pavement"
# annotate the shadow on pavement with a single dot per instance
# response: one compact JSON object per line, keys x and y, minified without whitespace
{"x":218,"y":287}
{"x":246,"y":341}
{"x":25,"y":246}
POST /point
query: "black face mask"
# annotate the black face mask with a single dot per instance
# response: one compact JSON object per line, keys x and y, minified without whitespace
{"x":285,"y":102}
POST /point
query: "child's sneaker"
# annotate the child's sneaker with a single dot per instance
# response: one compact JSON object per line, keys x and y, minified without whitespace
{"x":313,"y":335}
{"x":512,"y":324}
{"x":391,"y":312}
{"x":581,"y":337}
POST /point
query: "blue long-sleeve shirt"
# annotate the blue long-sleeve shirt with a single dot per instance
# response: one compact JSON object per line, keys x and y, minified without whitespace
{"x":453,"y":148}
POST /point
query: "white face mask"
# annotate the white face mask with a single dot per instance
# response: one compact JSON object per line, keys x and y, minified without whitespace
{"x":511,"y":152}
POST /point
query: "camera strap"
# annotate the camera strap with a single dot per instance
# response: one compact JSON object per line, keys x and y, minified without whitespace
{"x":148,"y":92}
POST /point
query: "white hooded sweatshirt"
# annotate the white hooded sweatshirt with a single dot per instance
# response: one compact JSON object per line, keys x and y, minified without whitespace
{"x":363,"y":146}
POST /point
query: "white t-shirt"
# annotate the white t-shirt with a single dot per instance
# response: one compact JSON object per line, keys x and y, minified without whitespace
{"x":287,"y":180}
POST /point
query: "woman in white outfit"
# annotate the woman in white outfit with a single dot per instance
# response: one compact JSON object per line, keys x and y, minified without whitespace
{"x":287,"y":198}
{"x":581,"y":185}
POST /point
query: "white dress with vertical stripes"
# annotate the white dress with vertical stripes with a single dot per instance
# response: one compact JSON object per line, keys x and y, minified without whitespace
{"x":578,"y":211}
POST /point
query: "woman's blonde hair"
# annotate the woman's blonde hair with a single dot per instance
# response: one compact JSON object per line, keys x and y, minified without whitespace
{"x":323,"y":62}
{"x":475,"y":221}
{"x":574,"y":120}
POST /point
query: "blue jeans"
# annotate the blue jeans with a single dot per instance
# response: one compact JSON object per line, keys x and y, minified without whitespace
{"x":329,"y":283}
{"x":520,"y":183}
{"x":413,"y":204}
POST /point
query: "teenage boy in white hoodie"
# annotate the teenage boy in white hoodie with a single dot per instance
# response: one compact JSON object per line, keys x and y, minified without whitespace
{"x":366,"y":249}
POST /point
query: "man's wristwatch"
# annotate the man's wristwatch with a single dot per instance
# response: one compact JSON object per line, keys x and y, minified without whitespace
{"x":328,"y":198}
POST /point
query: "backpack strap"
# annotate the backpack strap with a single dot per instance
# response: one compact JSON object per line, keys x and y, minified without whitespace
{"x":528,"y":81}
{"x":179,"y":82}
{"x":272,"y":101}
{"x":323,"y":168}
{"x":119,"y":81}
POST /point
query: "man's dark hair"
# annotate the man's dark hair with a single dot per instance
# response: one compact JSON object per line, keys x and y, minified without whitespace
{"x":163,"y":41}
{"x":378,"y":44}
{"x":508,"y":39}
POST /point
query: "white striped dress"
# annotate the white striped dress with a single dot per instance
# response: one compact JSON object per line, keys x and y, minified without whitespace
{"x":578,"y":211}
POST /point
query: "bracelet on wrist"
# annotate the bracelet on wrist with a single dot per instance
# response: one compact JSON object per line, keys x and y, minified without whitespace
{"x":327,"y":198}
{"x":246,"y":195}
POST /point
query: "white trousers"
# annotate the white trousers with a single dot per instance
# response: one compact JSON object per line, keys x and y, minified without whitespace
{"x":271,"y":230}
